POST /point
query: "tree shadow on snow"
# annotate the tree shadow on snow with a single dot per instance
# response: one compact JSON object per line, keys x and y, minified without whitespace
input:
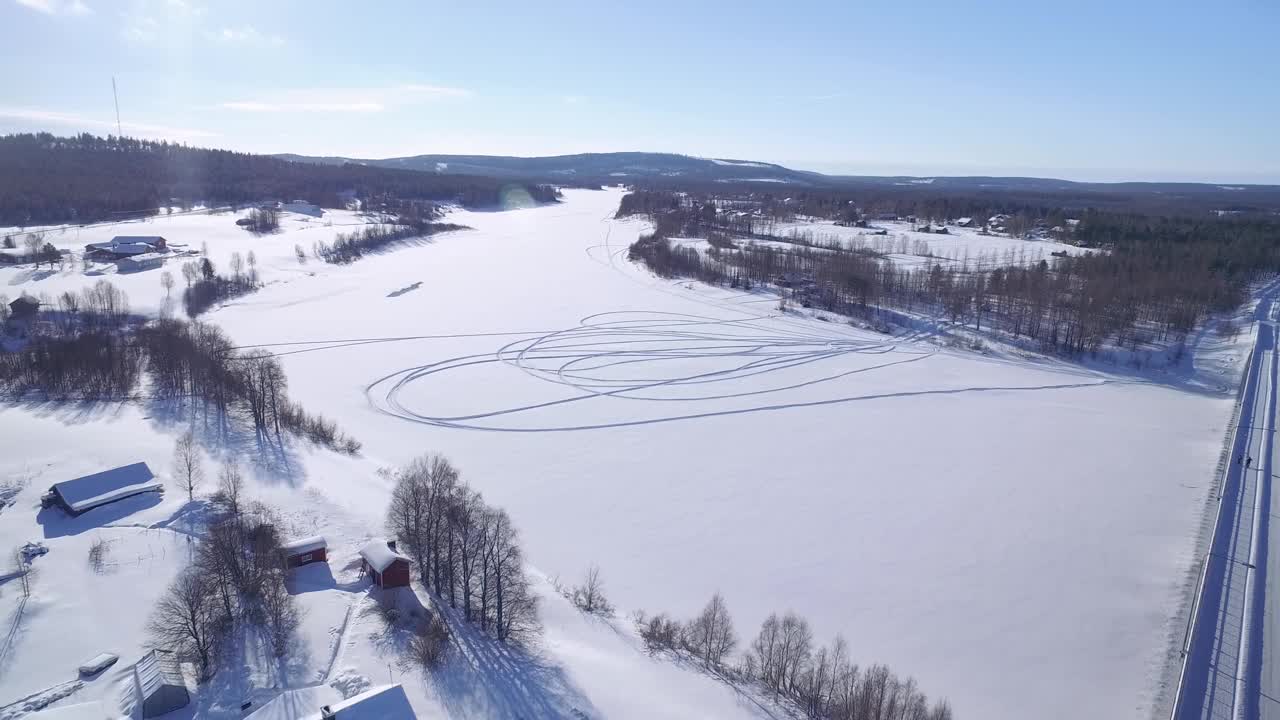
{"x":484,"y":677}
{"x":56,"y":522}
{"x":233,"y":439}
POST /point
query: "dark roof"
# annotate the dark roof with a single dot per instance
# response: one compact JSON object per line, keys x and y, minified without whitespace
{"x":24,"y":301}
{"x":100,"y":488}
{"x":149,"y":239}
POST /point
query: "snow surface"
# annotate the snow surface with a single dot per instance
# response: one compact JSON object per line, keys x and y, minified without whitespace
{"x":1007,"y":529}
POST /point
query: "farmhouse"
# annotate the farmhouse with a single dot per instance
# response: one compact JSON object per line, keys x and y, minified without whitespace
{"x":382,"y":703}
{"x":138,"y":263}
{"x":302,"y":207}
{"x":122,"y":246}
{"x":88,"y":492}
{"x":160,"y":685}
{"x":385,"y":566}
{"x":304,"y":551}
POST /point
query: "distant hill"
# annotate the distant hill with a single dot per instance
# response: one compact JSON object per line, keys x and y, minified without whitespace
{"x":631,"y":167}
{"x":621,"y":166}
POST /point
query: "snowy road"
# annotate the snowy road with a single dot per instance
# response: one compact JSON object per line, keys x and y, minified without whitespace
{"x":1232,"y":668}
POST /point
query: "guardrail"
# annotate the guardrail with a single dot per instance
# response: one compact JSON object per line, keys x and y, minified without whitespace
{"x":1193,"y":617}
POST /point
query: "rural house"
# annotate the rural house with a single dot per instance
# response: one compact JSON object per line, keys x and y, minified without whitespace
{"x":382,"y":703}
{"x":88,"y":492}
{"x":385,"y":566}
{"x":138,"y":263}
{"x":122,"y":246}
{"x":160,"y":685}
{"x":302,"y":207}
{"x":304,"y":551}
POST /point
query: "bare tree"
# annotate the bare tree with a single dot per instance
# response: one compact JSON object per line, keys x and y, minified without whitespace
{"x":185,"y":619}
{"x":188,"y":468}
{"x":231,"y":488}
{"x":710,"y":636}
{"x":166,"y":281}
{"x":190,"y":272}
{"x":589,"y":596}
{"x":280,"y":613}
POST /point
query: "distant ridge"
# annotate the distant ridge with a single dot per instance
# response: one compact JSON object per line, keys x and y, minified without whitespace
{"x":633,"y":166}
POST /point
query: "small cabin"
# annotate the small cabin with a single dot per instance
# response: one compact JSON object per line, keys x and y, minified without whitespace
{"x":160,"y":684}
{"x":386,"y":567}
{"x":305,"y":551}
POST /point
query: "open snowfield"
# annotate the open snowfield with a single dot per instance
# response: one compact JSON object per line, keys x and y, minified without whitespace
{"x":957,"y":245}
{"x":1015,"y":533}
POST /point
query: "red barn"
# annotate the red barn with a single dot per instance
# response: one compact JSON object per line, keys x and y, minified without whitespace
{"x":387,"y":567}
{"x":304,"y":551}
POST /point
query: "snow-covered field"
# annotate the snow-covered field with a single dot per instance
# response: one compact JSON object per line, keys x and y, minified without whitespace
{"x":1015,"y":533}
{"x":907,"y":246}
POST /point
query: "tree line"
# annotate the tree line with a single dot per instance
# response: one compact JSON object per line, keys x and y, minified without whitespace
{"x":784,"y":660}
{"x":48,"y":179}
{"x":349,"y":247}
{"x":91,"y":348}
{"x":465,"y":551}
{"x":1149,"y":279}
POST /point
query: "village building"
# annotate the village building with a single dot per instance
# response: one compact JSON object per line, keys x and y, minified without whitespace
{"x":386,"y":567}
{"x":302,"y":207}
{"x":85,"y":493}
{"x":160,"y":685}
{"x":138,"y":263}
{"x":122,"y":246}
{"x":304,"y":551}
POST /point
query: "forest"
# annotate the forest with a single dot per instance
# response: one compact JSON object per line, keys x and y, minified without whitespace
{"x":46,"y":179}
{"x":1151,"y":278}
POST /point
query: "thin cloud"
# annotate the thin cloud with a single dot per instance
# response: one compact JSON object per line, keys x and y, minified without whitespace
{"x":57,"y":7}
{"x":255,"y":106}
{"x":156,"y":22}
{"x":43,"y":119}
{"x":348,"y":100}
{"x":245,"y":35}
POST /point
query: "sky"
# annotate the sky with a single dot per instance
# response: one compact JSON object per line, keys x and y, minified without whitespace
{"x":1088,"y":90}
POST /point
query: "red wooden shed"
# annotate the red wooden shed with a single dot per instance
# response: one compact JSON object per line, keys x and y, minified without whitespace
{"x":385,"y":566}
{"x":304,"y":551}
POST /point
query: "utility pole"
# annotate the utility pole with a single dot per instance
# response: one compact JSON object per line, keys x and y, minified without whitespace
{"x":116,"y":96}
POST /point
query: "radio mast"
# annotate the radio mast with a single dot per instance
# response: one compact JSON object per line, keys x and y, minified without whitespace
{"x":114,"y":94}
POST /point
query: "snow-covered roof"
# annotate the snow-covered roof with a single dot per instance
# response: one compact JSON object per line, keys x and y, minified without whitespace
{"x":98,"y":663}
{"x":381,"y":703}
{"x":304,"y":545}
{"x":155,"y":670}
{"x":93,"y":490}
{"x":294,"y":704}
{"x":379,"y":556}
{"x":145,"y":257}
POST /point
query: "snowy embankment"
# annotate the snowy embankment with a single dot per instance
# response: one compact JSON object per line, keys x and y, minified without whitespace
{"x":1015,"y":533}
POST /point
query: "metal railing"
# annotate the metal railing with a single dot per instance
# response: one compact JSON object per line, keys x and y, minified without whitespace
{"x":1193,"y":617}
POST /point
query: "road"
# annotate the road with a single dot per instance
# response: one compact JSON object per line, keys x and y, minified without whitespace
{"x":1232,"y":662}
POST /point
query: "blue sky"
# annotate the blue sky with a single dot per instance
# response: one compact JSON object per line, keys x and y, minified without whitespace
{"x":1126,"y":89}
